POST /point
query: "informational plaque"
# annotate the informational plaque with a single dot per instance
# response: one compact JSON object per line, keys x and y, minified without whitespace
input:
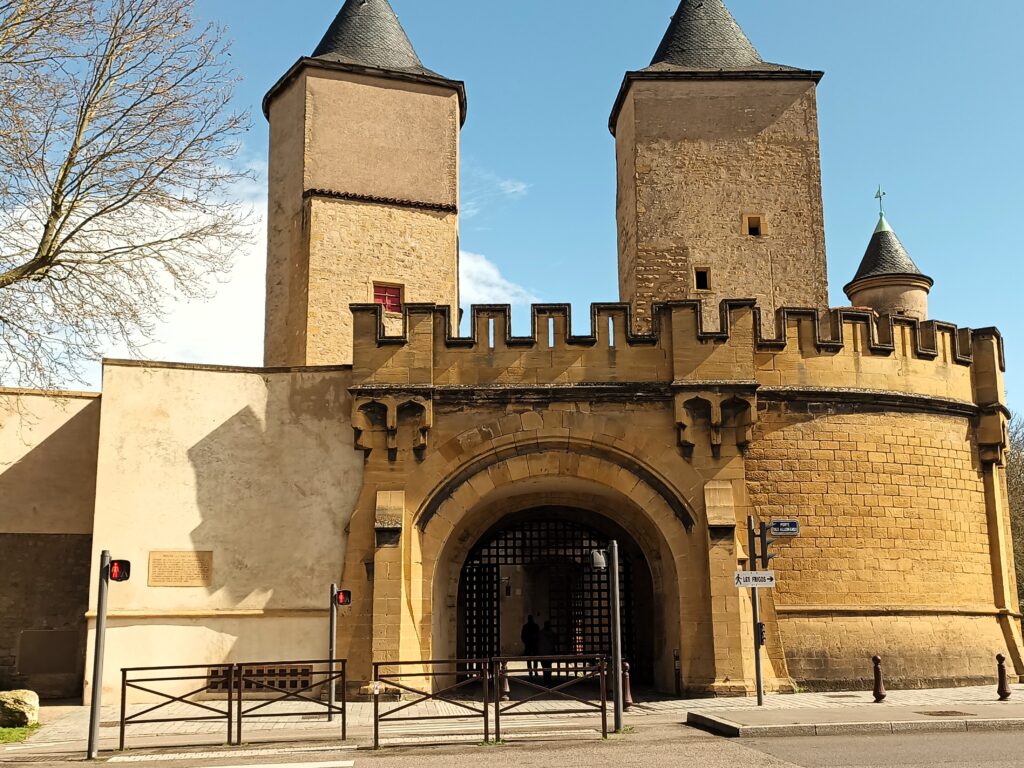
{"x":180,"y":569}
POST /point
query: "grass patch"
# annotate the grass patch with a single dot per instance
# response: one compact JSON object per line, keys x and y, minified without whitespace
{"x":12,"y":735}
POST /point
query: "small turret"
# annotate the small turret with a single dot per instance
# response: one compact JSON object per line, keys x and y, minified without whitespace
{"x":888,"y":280}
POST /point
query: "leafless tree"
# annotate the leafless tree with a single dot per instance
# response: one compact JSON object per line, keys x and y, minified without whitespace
{"x":1015,"y":491}
{"x":117,"y":164}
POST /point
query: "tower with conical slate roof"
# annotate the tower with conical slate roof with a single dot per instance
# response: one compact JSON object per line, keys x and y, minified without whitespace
{"x":719,"y":192}
{"x":888,"y":280}
{"x":363,"y":192}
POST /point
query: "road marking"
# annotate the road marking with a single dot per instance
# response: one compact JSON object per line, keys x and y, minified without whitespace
{"x":225,"y":755}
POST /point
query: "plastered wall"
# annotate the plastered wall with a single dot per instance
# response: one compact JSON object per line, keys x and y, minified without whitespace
{"x":256,"y":468}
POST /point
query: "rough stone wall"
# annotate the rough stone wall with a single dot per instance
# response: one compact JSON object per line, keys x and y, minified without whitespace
{"x":894,"y":552}
{"x":703,"y":155}
{"x":287,"y":230}
{"x":363,"y":187}
{"x":355,"y":244}
{"x":48,"y":447}
{"x":42,"y":612}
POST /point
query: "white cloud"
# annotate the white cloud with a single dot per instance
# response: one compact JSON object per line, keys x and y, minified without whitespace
{"x":482,"y":189}
{"x":513,"y":188}
{"x":227,"y":329}
{"x":481,"y":282}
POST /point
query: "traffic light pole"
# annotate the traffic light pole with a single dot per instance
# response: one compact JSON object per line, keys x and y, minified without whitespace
{"x":332,"y":683}
{"x":752,"y":566}
{"x":616,"y":606}
{"x":97,"y":664}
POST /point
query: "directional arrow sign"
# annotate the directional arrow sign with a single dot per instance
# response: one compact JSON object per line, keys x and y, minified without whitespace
{"x":759,"y":579}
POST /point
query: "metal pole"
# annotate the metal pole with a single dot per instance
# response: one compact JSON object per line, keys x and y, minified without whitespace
{"x":752,"y":566}
{"x":97,"y":663}
{"x":616,"y":606}
{"x":330,"y":653}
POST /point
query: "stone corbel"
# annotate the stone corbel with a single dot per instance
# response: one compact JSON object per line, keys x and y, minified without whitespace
{"x":362,"y":424}
{"x":993,"y":436}
{"x":684,"y":421}
{"x":746,"y":420}
{"x":718,"y":409}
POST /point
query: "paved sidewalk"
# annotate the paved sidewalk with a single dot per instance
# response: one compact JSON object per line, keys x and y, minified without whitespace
{"x":65,"y":728}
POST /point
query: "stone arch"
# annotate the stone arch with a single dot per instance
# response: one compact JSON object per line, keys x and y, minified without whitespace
{"x":620,"y":460}
{"x":598,"y":479}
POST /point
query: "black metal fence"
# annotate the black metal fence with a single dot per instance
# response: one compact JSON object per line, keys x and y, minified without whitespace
{"x":270,"y":682}
{"x":464,"y":673}
{"x":151,"y":679}
{"x":523,"y":680}
{"x":233,"y":692}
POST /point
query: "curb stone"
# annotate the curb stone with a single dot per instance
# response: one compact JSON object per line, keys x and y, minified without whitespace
{"x":728,"y":728}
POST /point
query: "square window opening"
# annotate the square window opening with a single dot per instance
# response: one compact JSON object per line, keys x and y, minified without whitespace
{"x":754,"y":226}
{"x":702,"y":279}
{"x":388,"y":296}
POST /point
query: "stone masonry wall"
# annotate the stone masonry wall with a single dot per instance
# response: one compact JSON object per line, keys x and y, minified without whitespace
{"x":698,"y":157}
{"x":886,"y":502}
{"x":353,"y":245}
{"x":45,"y":592}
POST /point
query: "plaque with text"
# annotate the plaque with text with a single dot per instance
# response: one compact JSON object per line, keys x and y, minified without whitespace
{"x":180,"y":569}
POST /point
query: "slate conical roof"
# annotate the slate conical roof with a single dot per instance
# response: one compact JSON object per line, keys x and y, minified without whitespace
{"x":886,"y":256}
{"x":368,"y":33}
{"x":703,"y":35}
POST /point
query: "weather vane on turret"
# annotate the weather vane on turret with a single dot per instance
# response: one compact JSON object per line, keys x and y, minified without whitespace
{"x":880,"y":196}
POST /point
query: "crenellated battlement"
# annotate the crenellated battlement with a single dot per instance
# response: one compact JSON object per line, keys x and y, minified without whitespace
{"x":844,"y":349}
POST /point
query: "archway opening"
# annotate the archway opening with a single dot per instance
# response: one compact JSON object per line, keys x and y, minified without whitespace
{"x":538,"y":563}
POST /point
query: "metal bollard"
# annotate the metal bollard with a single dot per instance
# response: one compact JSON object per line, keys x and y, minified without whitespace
{"x":627,"y":693}
{"x":879,"y":691}
{"x":506,"y":691}
{"x":1004,"y":683}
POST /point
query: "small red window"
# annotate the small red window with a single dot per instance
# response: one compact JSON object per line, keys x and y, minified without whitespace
{"x":389,"y":296}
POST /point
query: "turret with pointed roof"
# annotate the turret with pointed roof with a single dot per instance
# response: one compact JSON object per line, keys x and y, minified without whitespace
{"x":368,"y":33}
{"x":363,"y":192}
{"x":704,"y":35}
{"x":888,"y":281}
{"x":719,"y":174}
{"x":366,"y":36}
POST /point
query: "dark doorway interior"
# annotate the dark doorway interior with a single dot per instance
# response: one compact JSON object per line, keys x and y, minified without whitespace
{"x":538,"y":563}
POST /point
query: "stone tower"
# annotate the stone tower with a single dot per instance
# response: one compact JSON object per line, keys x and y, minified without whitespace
{"x":719,"y":178}
{"x":888,"y":280}
{"x":363,"y":187}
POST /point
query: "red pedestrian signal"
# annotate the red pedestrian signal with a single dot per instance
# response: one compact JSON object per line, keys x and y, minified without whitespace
{"x":343,"y":597}
{"x":120,"y":570}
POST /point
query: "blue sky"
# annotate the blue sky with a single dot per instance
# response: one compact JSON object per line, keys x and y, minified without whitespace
{"x":920,"y":96}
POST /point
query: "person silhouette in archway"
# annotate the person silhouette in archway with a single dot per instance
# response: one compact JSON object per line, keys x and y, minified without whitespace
{"x":531,"y":643}
{"x":547,"y":646}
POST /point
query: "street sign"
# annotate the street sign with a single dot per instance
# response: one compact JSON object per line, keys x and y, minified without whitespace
{"x":785,"y":527}
{"x":758,"y":579}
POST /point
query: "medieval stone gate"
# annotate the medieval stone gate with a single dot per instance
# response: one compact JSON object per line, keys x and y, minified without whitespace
{"x":539,"y":564}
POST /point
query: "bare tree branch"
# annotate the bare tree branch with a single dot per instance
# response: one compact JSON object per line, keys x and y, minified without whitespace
{"x":116,"y":173}
{"x":1015,"y":492}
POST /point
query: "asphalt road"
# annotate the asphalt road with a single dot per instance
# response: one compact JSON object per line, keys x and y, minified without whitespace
{"x":654,"y":746}
{"x":995,"y":749}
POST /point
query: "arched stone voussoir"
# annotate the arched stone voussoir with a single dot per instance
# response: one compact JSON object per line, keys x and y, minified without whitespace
{"x":549,"y":456}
